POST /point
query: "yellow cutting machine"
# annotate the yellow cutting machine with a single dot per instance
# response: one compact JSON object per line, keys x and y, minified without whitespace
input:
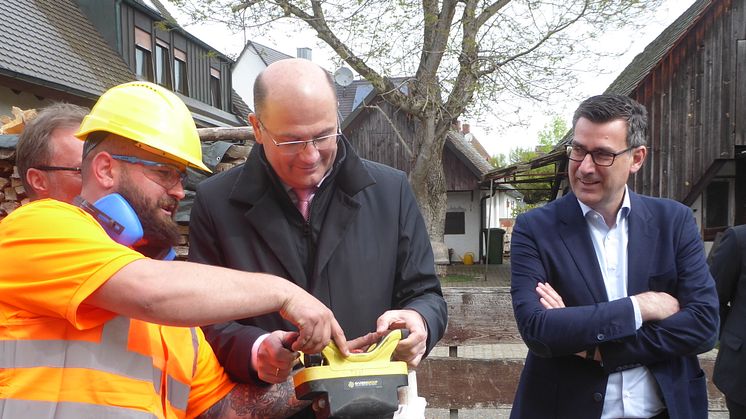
{"x":363,"y":385}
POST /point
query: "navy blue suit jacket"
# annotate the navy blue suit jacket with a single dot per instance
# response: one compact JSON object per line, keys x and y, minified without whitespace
{"x":665,"y":253}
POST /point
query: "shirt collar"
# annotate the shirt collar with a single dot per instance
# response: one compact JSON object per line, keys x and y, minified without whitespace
{"x":624,"y":210}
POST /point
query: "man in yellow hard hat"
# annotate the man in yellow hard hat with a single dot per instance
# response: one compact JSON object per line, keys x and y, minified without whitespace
{"x":90,"y":327}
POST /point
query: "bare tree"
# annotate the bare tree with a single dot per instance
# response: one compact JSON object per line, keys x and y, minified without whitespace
{"x":459,"y":55}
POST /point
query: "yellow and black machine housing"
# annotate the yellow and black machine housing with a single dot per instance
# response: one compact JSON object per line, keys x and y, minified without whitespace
{"x":363,"y":385}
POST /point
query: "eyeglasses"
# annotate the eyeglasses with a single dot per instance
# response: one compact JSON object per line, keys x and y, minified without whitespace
{"x":55,"y":168}
{"x":600,"y":158}
{"x":291,"y":148}
{"x":164,"y":174}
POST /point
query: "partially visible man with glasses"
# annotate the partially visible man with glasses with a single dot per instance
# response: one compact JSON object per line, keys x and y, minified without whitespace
{"x":48,"y":156}
{"x":306,"y":207}
{"x":610,"y":289}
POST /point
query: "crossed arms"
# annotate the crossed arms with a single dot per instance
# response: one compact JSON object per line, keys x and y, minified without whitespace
{"x":564,"y":319}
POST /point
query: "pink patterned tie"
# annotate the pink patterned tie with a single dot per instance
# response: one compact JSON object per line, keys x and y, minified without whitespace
{"x":304,"y":200}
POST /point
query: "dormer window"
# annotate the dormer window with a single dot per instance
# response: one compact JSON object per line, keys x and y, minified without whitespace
{"x":162,"y":61}
{"x":215,"y":88}
{"x":180,"y":72}
{"x":143,"y":60}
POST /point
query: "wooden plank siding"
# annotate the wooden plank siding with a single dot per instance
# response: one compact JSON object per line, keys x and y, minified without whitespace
{"x":459,"y":178}
{"x":691,"y":100}
{"x":373,"y":136}
{"x":740,"y":81}
{"x":375,"y":139}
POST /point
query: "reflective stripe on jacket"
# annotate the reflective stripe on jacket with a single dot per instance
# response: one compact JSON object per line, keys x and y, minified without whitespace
{"x":127,"y":372}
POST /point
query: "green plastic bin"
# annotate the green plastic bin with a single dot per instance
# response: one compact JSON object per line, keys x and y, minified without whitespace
{"x":493,"y":237}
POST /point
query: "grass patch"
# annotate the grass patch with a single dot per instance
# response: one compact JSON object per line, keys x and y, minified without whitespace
{"x":457,"y":278}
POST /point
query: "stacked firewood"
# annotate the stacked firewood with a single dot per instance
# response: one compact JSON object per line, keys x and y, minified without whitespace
{"x":15,"y":124}
{"x":239,"y":141}
{"x":12,"y":193}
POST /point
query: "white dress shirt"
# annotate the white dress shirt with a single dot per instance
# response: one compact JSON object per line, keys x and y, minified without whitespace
{"x":632,"y":393}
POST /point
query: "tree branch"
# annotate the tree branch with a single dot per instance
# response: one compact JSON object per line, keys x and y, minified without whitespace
{"x":382,"y":85}
{"x":490,"y":11}
{"x":494,"y":66}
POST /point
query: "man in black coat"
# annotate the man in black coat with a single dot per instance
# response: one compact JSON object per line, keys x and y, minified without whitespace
{"x":362,"y":248}
{"x":728,"y":267}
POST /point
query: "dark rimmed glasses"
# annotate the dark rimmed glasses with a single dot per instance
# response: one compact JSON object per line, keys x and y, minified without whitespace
{"x":602,"y":158}
{"x":56,"y":168}
{"x":164,"y":174}
{"x":291,"y":148}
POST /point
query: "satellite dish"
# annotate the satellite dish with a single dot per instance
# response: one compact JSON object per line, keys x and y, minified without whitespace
{"x":343,"y":76}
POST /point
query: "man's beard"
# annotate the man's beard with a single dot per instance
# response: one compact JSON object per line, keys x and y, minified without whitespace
{"x":158,"y":231}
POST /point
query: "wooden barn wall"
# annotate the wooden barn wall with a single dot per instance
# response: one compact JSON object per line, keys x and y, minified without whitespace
{"x":374,"y":139}
{"x":690,"y":97}
{"x":458,"y":176}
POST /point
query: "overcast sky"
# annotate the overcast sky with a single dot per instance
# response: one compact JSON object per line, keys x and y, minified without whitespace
{"x":495,"y":138}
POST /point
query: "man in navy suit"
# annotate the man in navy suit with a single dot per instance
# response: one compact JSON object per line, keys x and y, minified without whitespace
{"x":728,"y":267}
{"x":611,"y":291}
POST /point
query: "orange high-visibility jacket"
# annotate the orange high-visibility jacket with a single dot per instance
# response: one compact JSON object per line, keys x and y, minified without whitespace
{"x":62,"y":358}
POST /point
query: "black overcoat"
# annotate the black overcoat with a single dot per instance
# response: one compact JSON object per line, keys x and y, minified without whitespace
{"x":365,"y":249}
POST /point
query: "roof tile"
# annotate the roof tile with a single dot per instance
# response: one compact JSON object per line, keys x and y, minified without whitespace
{"x":52,"y":42}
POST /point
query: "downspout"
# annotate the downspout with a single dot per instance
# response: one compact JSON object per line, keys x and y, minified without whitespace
{"x":489,"y":223}
{"x":483,"y":207}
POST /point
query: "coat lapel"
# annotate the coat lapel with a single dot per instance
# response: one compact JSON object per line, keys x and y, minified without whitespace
{"x":341,"y":213}
{"x":640,"y":246}
{"x":351,"y":179}
{"x":253,"y":188}
{"x":574,"y":232}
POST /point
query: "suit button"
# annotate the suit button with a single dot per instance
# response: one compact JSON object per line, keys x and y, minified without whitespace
{"x":600,"y":336}
{"x":598,"y":397}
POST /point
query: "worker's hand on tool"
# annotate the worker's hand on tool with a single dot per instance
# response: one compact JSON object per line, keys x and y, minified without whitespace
{"x":362,"y":343}
{"x":315,"y":322}
{"x":412,"y":349}
{"x":274,"y":361}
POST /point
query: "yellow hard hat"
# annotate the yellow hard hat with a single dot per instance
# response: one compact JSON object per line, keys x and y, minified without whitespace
{"x":151,"y":116}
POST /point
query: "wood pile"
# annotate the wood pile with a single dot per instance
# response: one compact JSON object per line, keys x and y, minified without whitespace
{"x":12,"y":192}
{"x":16,"y":123}
{"x":235,"y":155}
{"x":241,"y":139}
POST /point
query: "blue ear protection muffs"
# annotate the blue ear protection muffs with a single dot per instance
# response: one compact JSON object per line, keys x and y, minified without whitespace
{"x":119,"y":221}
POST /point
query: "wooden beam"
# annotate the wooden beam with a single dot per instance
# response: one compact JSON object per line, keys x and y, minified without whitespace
{"x":479,"y":315}
{"x":226,"y":134}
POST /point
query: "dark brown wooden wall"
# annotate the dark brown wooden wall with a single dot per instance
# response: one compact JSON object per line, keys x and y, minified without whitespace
{"x":374,"y":139}
{"x":691,"y":99}
{"x":458,"y":177}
